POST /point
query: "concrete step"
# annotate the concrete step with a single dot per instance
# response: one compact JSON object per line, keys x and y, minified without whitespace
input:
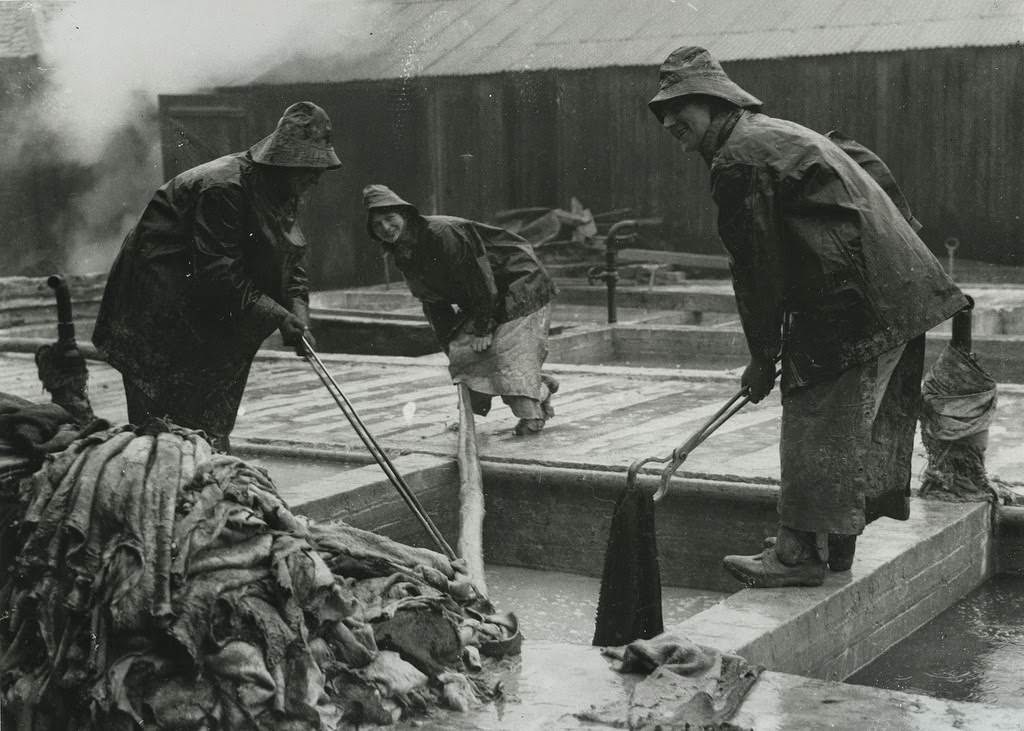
{"x":904,"y":575}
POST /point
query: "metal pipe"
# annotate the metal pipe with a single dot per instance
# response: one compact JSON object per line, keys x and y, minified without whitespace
{"x":65,"y":320}
{"x":611,"y":278}
{"x":610,"y":274}
{"x":962,"y":338}
{"x":952,"y":244}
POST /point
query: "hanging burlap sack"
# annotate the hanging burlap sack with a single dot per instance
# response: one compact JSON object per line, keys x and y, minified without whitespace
{"x":958,"y":404}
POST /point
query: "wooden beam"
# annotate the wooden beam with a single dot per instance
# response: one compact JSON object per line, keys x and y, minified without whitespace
{"x":471,"y":495}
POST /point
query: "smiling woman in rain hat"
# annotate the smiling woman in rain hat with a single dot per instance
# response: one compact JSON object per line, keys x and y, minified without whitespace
{"x":830,"y":276}
{"x":215,"y":264}
{"x":486,"y":297}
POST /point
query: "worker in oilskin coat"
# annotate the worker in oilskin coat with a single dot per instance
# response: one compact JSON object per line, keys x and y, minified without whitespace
{"x":829,"y":275}
{"x":215,"y":264}
{"x":486,"y":297}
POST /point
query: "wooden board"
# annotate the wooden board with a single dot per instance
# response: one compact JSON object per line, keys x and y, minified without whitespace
{"x":605,"y":416}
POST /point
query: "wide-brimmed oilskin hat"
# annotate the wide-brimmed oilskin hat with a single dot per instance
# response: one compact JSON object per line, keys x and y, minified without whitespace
{"x":377,"y":196}
{"x":302,"y":140}
{"x":692,"y":70}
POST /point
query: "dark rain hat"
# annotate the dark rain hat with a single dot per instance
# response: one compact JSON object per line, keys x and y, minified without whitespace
{"x":377,"y":196}
{"x":692,"y":70}
{"x":302,"y":140}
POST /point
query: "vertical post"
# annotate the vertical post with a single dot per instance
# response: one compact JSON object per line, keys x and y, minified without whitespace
{"x":610,"y":257}
{"x":65,"y":322}
{"x":952,"y":244}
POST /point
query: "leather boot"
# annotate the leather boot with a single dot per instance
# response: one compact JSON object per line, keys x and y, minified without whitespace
{"x":792,"y":561}
{"x":841,"y":548}
{"x":527,"y":427}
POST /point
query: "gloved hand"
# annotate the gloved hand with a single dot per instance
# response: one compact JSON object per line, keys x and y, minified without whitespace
{"x":292,"y":330}
{"x":481,"y":343}
{"x":759,"y":378}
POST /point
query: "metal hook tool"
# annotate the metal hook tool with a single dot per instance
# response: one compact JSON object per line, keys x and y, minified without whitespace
{"x":379,"y":455}
{"x":680,"y":453}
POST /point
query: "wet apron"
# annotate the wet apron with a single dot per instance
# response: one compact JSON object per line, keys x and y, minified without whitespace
{"x":510,"y":368}
{"x":847,"y":443}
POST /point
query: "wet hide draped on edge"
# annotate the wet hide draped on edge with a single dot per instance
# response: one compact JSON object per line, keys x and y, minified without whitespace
{"x":958,"y":405}
{"x":629,"y":605}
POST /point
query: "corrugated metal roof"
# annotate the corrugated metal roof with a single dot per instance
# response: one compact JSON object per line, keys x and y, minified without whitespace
{"x":19,"y":25}
{"x":18,"y":37}
{"x":457,"y":37}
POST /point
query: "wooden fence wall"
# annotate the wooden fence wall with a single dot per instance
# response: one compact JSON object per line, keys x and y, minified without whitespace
{"x":946,"y":121}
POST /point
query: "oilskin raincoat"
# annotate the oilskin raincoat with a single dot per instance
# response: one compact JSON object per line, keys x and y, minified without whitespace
{"x":470,"y":275}
{"x":829,"y":271}
{"x":211,"y":269}
{"x":877,"y":169}
{"x":817,"y":245}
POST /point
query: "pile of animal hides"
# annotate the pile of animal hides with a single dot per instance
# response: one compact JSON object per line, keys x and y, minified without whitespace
{"x":158,"y":585}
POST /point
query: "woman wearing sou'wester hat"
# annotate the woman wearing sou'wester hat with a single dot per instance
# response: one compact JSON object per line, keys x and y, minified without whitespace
{"x":215,"y":264}
{"x":486,"y":297}
{"x":830,"y":276}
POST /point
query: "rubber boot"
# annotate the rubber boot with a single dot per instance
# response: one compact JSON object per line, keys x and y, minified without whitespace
{"x":792,"y":561}
{"x":841,"y":548}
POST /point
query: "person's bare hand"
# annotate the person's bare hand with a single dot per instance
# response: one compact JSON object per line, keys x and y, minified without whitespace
{"x":758,"y":378}
{"x":300,"y":347}
{"x":293,"y":329}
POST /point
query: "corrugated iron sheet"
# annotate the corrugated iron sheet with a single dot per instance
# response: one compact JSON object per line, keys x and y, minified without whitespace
{"x":20,"y":24}
{"x":459,"y":37}
{"x":19,"y":37}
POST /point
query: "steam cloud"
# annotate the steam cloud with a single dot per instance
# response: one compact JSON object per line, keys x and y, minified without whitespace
{"x":105,"y":61}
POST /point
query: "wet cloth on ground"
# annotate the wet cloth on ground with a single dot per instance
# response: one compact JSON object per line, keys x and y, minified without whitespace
{"x":687,"y":685}
{"x":510,"y":367}
{"x":847,"y":442}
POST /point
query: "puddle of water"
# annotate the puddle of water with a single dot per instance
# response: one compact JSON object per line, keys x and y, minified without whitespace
{"x":560,"y":607}
{"x":543,"y":688}
{"x":558,"y":673}
{"x":974,"y":651}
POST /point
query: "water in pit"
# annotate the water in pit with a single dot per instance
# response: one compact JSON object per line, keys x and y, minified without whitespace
{"x":974,"y":651}
{"x":559,"y":607}
{"x":558,"y":672}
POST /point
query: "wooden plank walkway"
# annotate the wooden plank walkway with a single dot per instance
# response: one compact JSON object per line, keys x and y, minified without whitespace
{"x":606,"y":416}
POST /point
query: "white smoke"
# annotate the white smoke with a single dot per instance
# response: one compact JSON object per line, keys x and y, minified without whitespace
{"x":104,"y":63}
{"x":104,"y":53}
